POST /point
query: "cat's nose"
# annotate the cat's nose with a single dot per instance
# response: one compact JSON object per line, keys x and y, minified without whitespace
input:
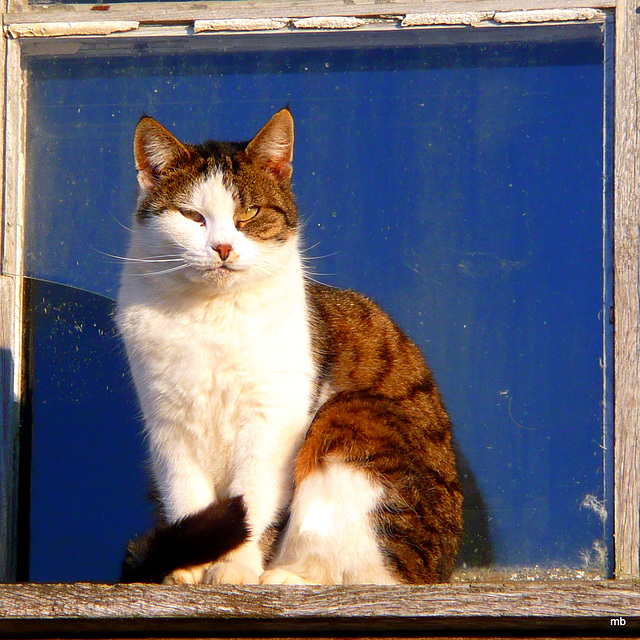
{"x":223,"y":250}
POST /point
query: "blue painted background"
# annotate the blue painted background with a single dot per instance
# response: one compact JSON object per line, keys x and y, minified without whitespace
{"x":460,"y":187}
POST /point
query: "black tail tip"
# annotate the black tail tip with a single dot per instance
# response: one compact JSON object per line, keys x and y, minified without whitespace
{"x":200,"y":538}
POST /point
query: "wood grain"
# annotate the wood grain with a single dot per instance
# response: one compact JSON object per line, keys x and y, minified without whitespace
{"x":7,"y":404}
{"x":173,"y":13}
{"x":627,"y":253}
{"x":627,"y":289}
{"x":154,"y":609}
{"x":11,"y":305}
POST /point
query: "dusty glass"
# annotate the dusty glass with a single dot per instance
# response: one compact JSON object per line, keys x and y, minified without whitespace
{"x":460,"y":186}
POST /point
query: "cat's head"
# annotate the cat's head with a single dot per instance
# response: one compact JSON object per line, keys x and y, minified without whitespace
{"x":217,"y":214}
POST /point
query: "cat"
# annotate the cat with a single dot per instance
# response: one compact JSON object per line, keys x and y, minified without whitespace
{"x":295,"y":433}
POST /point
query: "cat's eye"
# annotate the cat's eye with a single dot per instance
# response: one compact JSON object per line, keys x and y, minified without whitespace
{"x":247,"y":214}
{"x":190,"y":214}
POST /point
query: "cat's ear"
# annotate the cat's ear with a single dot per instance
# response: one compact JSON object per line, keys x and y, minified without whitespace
{"x":155,"y":150}
{"x":273,"y":146}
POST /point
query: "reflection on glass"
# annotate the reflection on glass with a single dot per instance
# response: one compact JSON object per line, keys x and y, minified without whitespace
{"x":460,"y":187}
{"x":87,"y":477}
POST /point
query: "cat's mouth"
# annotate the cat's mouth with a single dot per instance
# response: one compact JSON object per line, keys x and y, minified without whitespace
{"x":221,"y":270}
{"x":218,"y":276}
{"x":217,"y":268}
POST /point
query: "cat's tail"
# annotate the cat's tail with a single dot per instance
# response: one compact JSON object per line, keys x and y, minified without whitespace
{"x":197,"y":539}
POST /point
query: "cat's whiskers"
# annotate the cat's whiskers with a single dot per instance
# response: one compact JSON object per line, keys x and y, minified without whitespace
{"x":309,"y":272}
{"x":313,"y":246}
{"x":180,"y":244}
{"x":124,"y":226}
{"x":312,"y":272}
{"x":306,"y":250}
{"x":327,"y":255}
{"x":162,"y":271}
{"x":158,"y":258}
{"x":265,"y":271}
{"x":312,"y":279}
{"x":266,"y":268}
{"x":306,"y":260}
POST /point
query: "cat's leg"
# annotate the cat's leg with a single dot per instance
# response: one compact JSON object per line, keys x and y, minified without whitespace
{"x":283,"y":575}
{"x":263,"y":463}
{"x":230,"y":571}
{"x":331,"y":537}
{"x":184,"y":489}
{"x":183,"y":485}
{"x":373,"y":503}
{"x":188,"y":575}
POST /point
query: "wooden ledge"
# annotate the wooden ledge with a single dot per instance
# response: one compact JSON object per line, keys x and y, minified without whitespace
{"x":96,"y":610}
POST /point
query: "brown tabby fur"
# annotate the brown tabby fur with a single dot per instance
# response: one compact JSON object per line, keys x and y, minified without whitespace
{"x":387,"y":417}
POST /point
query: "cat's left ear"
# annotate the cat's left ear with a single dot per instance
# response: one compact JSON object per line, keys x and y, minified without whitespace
{"x":273,"y":146}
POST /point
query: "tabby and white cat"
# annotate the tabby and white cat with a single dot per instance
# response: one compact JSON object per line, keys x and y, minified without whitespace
{"x":295,"y":434}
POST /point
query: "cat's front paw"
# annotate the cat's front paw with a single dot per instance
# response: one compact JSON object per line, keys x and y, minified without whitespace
{"x":282,"y":576}
{"x":230,"y":573}
{"x":188,"y":575}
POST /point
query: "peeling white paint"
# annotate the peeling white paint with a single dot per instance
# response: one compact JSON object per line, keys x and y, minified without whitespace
{"x":51,"y":29}
{"x":329,"y":22}
{"x":465,"y":18}
{"x":240,"y":24}
{"x":477,"y":18}
{"x":468,"y":18}
{"x":547,"y":15}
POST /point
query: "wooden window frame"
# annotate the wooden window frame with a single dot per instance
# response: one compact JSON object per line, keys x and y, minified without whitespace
{"x":461,"y":608}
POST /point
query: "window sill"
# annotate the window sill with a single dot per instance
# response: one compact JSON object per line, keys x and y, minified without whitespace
{"x":465,"y":608}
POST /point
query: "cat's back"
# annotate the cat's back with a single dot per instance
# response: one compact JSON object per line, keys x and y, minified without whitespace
{"x":359,"y":347}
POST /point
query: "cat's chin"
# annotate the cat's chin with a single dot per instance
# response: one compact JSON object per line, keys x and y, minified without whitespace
{"x":217,"y":278}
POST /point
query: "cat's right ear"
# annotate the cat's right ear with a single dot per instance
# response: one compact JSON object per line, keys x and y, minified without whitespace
{"x":272,"y":148}
{"x":155,"y":150}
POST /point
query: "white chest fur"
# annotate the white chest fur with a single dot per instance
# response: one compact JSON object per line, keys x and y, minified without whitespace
{"x":224,"y":382}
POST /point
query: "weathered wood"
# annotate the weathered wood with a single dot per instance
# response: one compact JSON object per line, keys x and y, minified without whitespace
{"x":7,"y":404}
{"x":14,"y":159}
{"x":66,"y":28}
{"x":172,"y":13}
{"x":15,"y":5}
{"x":152,"y":609}
{"x":561,"y":604}
{"x":10,"y":308}
{"x":627,"y":289}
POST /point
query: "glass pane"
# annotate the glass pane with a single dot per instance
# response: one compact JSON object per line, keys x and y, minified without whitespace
{"x":87,"y":477}
{"x":459,"y":186}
